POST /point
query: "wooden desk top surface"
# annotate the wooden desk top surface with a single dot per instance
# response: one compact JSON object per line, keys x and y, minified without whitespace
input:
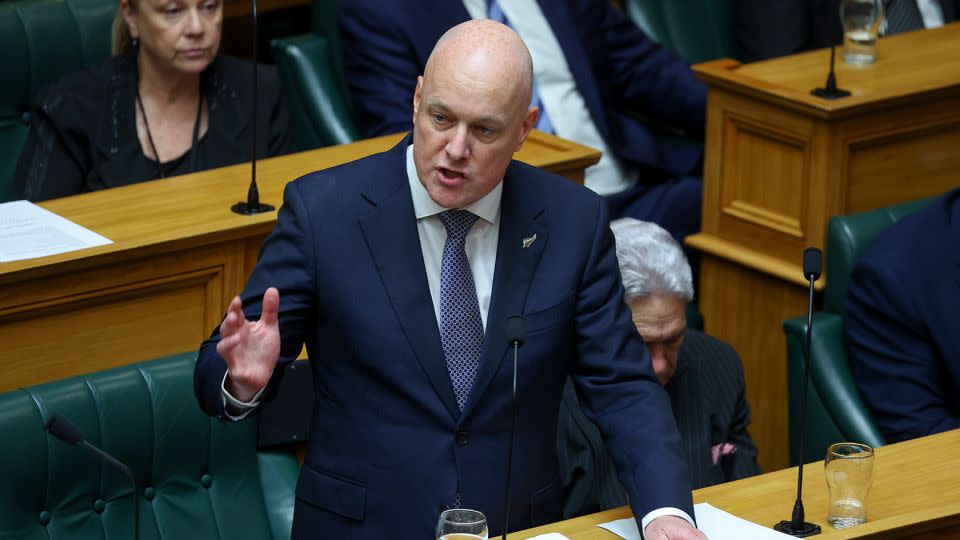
{"x":916,"y":488}
{"x":184,"y":211}
{"x":923,"y":63}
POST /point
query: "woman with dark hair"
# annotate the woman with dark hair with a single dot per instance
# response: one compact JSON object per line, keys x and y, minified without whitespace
{"x":166,"y":104}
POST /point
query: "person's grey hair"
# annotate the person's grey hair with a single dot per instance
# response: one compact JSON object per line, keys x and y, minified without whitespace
{"x":651,"y":261}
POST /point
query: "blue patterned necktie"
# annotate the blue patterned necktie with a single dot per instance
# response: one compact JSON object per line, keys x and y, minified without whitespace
{"x":461,"y":329}
{"x":494,"y":13}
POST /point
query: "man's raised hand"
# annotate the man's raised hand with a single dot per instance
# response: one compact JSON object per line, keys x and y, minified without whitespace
{"x":250,"y":348}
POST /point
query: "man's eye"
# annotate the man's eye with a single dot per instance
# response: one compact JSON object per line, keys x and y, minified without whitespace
{"x":439,"y":118}
{"x":484,"y":130}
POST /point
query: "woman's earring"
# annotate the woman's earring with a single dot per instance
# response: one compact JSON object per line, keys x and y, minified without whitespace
{"x":135,"y":42}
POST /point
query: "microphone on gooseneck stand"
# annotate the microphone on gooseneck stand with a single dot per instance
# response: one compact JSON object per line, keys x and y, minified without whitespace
{"x":62,"y":429}
{"x":516,"y":334}
{"x":812,"y":266}
{"x":253,"y":204}
{"x":830,"y":91}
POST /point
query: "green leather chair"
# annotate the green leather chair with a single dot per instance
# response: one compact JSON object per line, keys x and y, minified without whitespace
{"x":697,"y":30}
{"x":40,"y":41}
{"x":199,"y":478}
{"x":836,"y":411}
{"x":311,"y":69}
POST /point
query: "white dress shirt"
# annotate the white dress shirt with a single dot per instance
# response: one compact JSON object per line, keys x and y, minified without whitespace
{"x":558,"y":91}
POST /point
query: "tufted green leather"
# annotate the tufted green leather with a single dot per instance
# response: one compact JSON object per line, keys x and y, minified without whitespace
{"x":697,"y":30}
{"x":40,"y":41}
{"x":199,"y":478}
{"x":322,"y":118}
{"x":836,"y":412}
{"x":847,"y":238}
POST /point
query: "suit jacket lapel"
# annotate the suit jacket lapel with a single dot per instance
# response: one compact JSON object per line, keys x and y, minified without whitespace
{"x":520,"y":217}
{"x":391,"y":234}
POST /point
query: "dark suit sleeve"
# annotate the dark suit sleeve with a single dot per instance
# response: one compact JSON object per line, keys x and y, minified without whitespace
{"x":643,"y":76}
{"x":58,"y":153}
{"x":898,"y":369}
{"x":381,"y":68}
{"x":618,"y":389}
{"x":279,"y":116}
{"x":768,"y":29}
{"x":286,"y":262}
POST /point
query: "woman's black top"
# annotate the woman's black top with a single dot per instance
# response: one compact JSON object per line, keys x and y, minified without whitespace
{"x":83,"y":133}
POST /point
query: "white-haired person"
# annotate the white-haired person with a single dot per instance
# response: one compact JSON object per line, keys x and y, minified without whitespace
{"x":702,"y":375}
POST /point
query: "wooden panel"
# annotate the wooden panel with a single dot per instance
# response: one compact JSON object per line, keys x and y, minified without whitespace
{"x":912,"y":497}
{"x":113,"y":331}
{"x":92,"y":319}
{"x":746,"y":308}
{"x":904,"y":161}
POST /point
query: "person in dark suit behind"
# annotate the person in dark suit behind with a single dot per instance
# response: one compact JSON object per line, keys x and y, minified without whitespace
{"x":399,"y":272}
{"x":768,"y":29}
{"x":166,"y":104}
{"x":903,"y":338}
{"x":596,"y":74}
{"x":702,"y":375}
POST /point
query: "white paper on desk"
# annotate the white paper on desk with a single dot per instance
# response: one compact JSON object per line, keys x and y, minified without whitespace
{"x":549,"y":536}
{"x":28,"y":231}
{"x":715,"y":523}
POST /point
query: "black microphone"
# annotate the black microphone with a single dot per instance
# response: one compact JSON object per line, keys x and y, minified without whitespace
{"x":830,"y":91}
{"x":253,"y":205}
{"x":812,"y":266}
{"x":516,"y":334}
{"x":63,"y":429}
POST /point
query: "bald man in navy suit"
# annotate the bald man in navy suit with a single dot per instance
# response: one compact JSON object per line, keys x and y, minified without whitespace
{"x":399,"y":272}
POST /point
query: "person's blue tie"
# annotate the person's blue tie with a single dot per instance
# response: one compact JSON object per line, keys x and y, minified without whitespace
{"x":903,"y":16}
{"x":461,"y":329}
{"x":543,"y":121}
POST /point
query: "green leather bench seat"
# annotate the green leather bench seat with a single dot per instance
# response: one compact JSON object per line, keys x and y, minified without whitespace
{"x":697,"y":30}
{"x":40,"y":41}
{"x":199,"y":478}
{"x":836,"y":411}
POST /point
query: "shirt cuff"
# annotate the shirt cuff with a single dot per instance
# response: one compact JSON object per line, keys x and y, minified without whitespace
{"x":665,"y":511}
{"x":233,"y":407}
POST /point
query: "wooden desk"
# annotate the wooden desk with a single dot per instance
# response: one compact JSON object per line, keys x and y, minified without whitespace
{"x":914,"y":495}
{"x":780,"y":162}
{"x":179,"y":255}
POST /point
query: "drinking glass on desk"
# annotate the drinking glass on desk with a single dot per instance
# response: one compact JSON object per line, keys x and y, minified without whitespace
{"x":849,"y":471}
{"x":861,"y":23}
{"x":462,"y":524}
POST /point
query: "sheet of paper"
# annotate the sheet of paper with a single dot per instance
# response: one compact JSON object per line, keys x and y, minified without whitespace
{"x":715,"y":523}
{"x":28,"y":231}
{"x":548,"y":536}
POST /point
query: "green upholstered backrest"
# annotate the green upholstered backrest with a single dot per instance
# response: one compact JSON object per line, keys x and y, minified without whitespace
{"x":836,"y":411}
{"x":321,"y":115}
{"x":847,"y":238}
{"x":40,"y":41}
{"x":199,"y":478}
{"x":697,"y":30}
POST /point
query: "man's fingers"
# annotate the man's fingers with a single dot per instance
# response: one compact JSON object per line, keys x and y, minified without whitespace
{"x":234,"y":318}
{"x":271,"y":305}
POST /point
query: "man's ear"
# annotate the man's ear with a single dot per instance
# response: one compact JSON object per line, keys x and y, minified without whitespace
{"x":529,"y":121}
{"x":416,"y":97}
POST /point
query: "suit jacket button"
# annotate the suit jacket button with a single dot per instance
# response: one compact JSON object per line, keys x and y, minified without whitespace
{"x":462,"y":438}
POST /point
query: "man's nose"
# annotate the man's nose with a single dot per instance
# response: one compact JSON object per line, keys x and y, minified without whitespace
{"x":458,"y":147}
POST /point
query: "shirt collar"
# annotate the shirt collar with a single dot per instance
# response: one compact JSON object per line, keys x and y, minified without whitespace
{"x":486,"y":208}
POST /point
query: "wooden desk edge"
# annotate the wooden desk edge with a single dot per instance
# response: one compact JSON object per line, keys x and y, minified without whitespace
{"x":761,"y":262}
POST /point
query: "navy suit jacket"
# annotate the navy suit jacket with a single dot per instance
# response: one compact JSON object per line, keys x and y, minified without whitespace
{"x":619,"y":71}
{"x":903,"y":337}
{"x":389,"y":446}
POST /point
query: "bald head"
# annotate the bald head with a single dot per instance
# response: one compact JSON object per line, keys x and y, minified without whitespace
{"x":471,"y":111}
{"x":488,"y":49}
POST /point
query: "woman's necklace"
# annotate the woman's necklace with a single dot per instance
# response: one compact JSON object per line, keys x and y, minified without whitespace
{"x":196,"y":132}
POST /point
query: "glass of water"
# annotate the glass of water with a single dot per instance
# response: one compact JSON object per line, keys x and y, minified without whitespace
{"x":861,"y":24}
{"x":462,"y":524}
{"x":849,"y":471}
